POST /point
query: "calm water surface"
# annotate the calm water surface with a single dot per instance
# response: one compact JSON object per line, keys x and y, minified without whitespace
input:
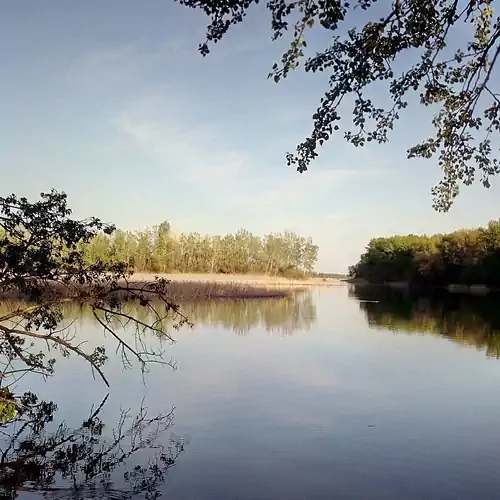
{"x":337,"y":394}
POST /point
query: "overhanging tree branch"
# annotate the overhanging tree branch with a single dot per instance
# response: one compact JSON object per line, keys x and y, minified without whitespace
{"x":43,"y":264}
{"x":415,"y":35}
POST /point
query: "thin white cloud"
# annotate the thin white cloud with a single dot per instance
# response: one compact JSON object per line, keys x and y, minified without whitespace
{"x":121,"y":63}
{"x":194,"y":155}
{"x":300,"y":189}
{"x":115,"y":55}
{"x":199,"y":155}
{"x":110,"y":65}
{"x":297,"y":188}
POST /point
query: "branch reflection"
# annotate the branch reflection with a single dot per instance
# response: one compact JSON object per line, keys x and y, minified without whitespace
{"x":277,"y":315}
{"x":88,"y":461}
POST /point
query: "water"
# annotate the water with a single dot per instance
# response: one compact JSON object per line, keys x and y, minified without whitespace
{"x":340,"y":393}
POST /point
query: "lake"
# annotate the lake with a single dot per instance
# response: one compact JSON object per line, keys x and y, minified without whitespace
{"x":336,"y":393}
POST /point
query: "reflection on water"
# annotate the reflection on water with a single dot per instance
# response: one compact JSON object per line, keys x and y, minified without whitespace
{"x":280,"y":316}
{"x":336,"y":410}
{"x":80,"y":462}
{"x":465,"y":319}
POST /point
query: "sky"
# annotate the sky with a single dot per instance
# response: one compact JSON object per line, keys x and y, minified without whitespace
{"x":112,"y":103}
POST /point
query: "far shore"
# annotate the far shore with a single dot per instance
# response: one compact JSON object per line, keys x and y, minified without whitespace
{"x":458,"y":288}
{"x":241,"y":279}
{"x":194,"y":287}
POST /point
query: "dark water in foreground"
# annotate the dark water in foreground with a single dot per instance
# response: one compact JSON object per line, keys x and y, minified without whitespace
{"x":340,"y":394}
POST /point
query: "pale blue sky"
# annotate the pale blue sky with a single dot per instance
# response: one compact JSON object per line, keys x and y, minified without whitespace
{"x":111,"y":102}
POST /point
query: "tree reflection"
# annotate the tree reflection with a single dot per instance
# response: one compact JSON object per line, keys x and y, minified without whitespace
{"x":79,"y":462}
{"x":282,"y":316}
{"x":464,"y":319}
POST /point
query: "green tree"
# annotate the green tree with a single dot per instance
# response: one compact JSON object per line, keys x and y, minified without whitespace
{"x":309,"y":256}
{"x":158,"y":249}
{"x":441,"y":51}
{"x":49,"y":261}
{"x":98,"y":248}
{"x":468,"y":257}
{"x":118,"y":251}
{"x":143,"y":253}
{"x":162,"y":248}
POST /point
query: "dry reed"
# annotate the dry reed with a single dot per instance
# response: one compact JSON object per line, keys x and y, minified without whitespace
{"x":191,"y":290}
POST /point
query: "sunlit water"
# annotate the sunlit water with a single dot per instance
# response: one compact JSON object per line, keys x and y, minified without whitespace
{"x":332,"y":395}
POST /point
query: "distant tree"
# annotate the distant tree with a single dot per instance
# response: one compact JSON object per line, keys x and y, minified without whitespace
{"x":98,"y":248}
{"x":162,"y":247}
{"x":119,"y":251}
{"x":466,"y":257}
{"x":446,"y":49}
{"x":158,"y":249}
{"x":144,"y":250}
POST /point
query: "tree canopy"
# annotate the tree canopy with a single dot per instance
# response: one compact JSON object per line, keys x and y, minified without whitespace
{"x":444,"y":51}
{"x":464,"y":257}
{"x":158,"y":249}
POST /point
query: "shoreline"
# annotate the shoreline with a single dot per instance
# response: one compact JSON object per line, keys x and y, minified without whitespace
{"x":453,"y":288}
{"x":254,"y":280}
{"x":177,"y":291}
{"x":200,"y":287}
{"x":197,"y":291}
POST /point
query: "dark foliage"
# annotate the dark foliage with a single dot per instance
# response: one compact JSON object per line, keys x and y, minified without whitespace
{"x":75,"y":463}
{"x":464,"y":319}
{"x":465,"y":257}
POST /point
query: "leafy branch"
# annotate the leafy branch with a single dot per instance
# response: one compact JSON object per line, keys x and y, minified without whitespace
{"x":416,"y":35}
{"x":43,"y":267}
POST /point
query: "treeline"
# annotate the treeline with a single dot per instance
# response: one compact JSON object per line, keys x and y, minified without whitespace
{"x":335,"y":276}
{"x":470,"y":256}
{"x":159,"y":250}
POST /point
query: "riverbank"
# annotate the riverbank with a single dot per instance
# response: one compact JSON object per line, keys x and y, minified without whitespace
{"x":205,"y":286}
{"x":184,"y":291}
{"x":177,"y":290}
{"x":254,"y":280}
{"x":195,"y":287}
{"x":475,"y":289}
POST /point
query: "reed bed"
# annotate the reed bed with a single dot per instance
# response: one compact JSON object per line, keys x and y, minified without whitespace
{"x":192,"y":290}
{"x":187,"y":291}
